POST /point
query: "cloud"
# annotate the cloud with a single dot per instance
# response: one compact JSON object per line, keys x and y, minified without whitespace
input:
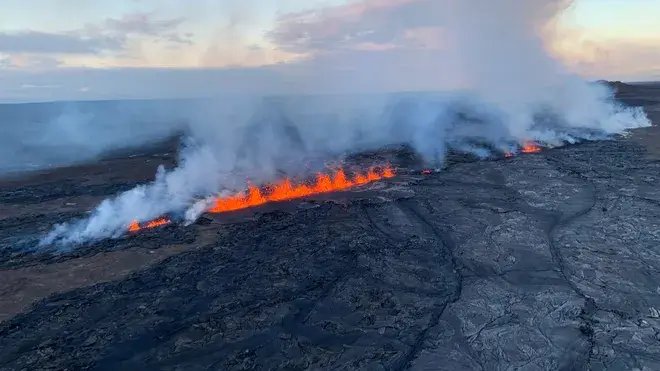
{"x":363,"y":45}
{"x":145,"y":24}
{"x":36,"y":42}
{"x":403,"y":39}
{"x":112,"y":35}
{"x":344,"y":27}
{"x":31,"y":61}
{"x":6,"y":62}
{"x":371,"y":46}
{"x":619,"y":58}
{"x":632,"y":61}
{"x":406,"y":23}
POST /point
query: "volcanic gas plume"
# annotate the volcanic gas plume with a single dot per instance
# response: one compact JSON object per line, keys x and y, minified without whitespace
{"x":516,"y":96}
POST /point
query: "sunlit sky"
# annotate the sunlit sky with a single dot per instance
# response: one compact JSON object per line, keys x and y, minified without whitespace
{"x":40,"y":40}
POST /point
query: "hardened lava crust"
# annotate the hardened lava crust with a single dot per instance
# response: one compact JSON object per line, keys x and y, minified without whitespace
{"x":543,"y":261}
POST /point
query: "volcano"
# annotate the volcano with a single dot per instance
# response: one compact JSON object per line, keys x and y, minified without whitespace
{"x":544,"y":260}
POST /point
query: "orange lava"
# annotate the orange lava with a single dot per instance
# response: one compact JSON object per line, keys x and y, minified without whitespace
{"x":286,"y":190}
{"x":135,"y":226}
{"x":528,"y":147}
{"x":283,"y":190}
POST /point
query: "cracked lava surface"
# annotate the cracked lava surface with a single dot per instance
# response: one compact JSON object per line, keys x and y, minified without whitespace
{"x":543,"y":261}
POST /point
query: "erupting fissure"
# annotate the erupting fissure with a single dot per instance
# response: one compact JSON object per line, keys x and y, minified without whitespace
{"x":285,"y":190}
{"x":135,"y":225}
{"x":528,"y":147}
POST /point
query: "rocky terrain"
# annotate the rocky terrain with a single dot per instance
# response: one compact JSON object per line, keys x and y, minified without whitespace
{"x":544,"y":261}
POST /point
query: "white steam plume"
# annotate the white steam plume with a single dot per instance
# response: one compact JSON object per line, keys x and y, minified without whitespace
{"x":516,"y":91}
{"x":41,"y":135}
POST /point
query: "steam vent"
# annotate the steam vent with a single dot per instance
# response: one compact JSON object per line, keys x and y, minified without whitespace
{"x":540,"y":255}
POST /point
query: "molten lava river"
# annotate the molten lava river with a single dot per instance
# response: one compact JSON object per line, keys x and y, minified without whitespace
{"x":283,"y":190}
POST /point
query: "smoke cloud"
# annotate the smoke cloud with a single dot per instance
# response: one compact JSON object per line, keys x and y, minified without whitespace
{"x":514,"y":90}
{"x":41,"y":135}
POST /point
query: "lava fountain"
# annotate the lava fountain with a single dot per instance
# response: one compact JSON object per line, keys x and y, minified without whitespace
{"x":286,"y":190}
{"x":136,"y":226}
{"x":282,"y":191}
{"x":530,"y":147}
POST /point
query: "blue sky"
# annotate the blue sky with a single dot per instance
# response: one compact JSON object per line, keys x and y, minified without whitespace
{"x":619,"y":18}
{"x":103,"y":49}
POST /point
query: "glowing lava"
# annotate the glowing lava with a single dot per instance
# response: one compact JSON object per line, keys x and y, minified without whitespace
{"x":286,"y":190}
{"x":528,"y":147}
{"x":135,"y":226}
{"x":280,"y":191}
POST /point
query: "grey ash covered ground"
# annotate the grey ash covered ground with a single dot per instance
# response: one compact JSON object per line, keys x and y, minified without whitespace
{"x":547,"y":261}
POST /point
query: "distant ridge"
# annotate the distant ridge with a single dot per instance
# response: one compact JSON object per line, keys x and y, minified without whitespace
{"x":626,"y":87}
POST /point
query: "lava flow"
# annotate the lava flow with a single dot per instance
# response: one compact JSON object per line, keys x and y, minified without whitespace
{"x":528,"y":147}
{"x":285,"y":190}
{"x":135,"y":226}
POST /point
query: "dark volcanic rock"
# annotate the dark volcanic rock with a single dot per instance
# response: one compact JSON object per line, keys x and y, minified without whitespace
{"x":23,"y":250}
{"x":548,"y":261}
{"x":54,"y":190}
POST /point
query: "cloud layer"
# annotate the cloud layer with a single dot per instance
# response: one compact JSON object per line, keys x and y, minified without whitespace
{"x":28,"y":49}
{"x":360,"y":41}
